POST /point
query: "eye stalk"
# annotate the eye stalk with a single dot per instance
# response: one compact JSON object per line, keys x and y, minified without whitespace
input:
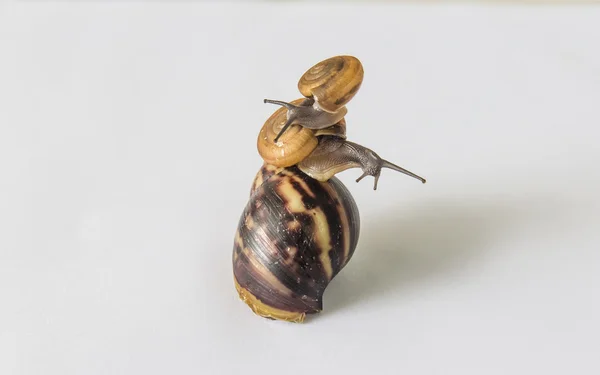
{"x":382,"y":163}
{"x":309,"y":116}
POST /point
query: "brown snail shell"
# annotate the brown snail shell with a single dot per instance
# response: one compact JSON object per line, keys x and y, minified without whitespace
{"x":296,"y":143}
{"x":332,"y":82}
{"x":293,"y":238}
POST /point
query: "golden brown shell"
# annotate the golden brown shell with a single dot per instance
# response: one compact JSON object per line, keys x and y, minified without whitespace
{"x":332,"y":82}
{"x":293,"y":146}
{"x":296,"y":143}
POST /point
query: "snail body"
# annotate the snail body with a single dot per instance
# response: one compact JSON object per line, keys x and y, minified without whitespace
{"x":301,"y":225}
{"x":297,"y":142}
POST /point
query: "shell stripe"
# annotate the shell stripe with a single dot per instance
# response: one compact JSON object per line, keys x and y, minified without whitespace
{"x":257,"y":277}
{"x":263,"y":175}
{"x":296,"y":200}
{"x":271,"y":241}
{"x":350,"y":217}
{"x":330,"y":222}
{"x":254,"y":277}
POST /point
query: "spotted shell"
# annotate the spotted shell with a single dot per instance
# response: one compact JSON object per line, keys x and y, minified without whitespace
{"x":296,"y":143}
{"x":332,"y":82}
{"x":294,"y":236}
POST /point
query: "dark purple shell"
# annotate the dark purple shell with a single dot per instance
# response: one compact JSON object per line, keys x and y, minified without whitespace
{"x":293,"y":238}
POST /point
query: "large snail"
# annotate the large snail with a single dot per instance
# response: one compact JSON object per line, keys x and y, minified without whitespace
{"x":301,"y":224}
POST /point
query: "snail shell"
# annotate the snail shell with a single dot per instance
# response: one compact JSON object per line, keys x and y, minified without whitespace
{"x":296,"y":143}
{"x":332,"y":82}
{"x":293,"y":238}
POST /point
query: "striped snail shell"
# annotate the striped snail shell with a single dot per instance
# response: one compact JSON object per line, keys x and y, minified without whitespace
{"x":294,"y":236}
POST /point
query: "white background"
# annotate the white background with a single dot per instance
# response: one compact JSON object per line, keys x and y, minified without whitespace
{"x":127,"y":150}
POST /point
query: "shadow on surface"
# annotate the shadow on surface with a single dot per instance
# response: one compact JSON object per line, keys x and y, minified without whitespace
{"x":404,"y":247}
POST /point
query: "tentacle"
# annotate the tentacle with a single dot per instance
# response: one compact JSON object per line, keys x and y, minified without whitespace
{"x":310,"y":116}
{"x":334,"y":155}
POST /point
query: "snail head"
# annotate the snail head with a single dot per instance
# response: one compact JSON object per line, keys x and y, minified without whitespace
{"x":371,"y":164}
{"x":308,"y":114}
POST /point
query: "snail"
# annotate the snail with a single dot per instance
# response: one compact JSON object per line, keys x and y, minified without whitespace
{"x":331,"y":84}
{"x":301,"y":225}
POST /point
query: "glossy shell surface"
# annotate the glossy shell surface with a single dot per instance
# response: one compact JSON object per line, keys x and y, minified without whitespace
{"x":296,"y":143}
{"x":332,"y":82}
{"x":294,"y":236}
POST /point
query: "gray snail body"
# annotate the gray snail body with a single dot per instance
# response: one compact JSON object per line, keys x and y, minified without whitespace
{"x":301,"y":225}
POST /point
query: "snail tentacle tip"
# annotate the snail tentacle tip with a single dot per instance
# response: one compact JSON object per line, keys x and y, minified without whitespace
{"x":362,"y":176}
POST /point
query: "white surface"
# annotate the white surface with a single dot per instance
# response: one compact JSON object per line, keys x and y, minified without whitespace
{"x":128,"y":148}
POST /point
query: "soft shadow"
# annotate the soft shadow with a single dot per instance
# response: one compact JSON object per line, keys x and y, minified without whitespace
{"x":420,"y":244}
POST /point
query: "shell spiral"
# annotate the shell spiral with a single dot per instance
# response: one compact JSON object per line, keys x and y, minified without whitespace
{"x":294,"y":236}
{"x":295,"y":144}
{"x":332,"y":82}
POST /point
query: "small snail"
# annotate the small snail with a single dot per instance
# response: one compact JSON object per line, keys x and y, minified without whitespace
{"x":331,"y":84}
{"x":301,"y":225}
